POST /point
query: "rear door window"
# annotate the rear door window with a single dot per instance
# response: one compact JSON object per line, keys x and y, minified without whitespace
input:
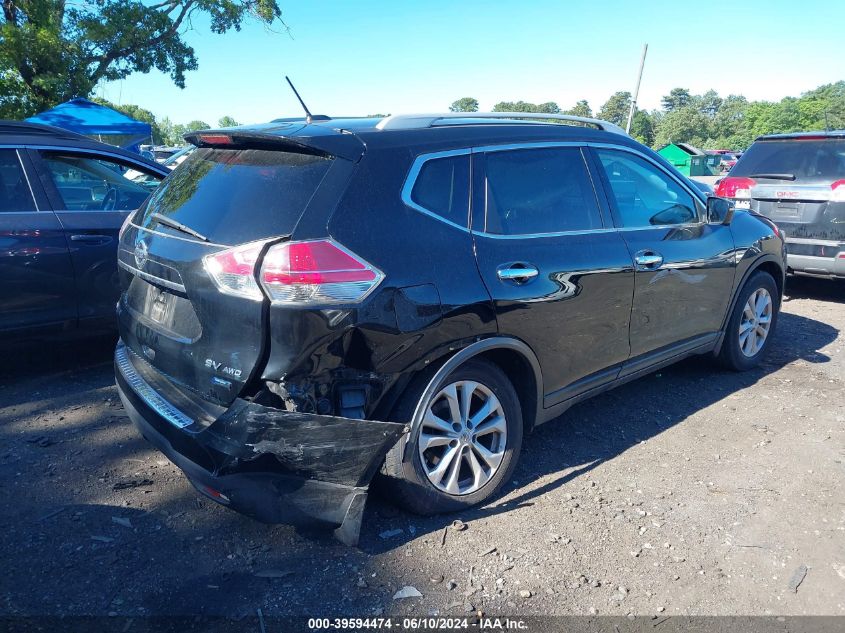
{"x":538,"y":191}
{"x":808,"y":160}
{"x":442,"y":187}
{"x":241,"y":195}
{"x":95,"y":183}
{"x":14,"y":190}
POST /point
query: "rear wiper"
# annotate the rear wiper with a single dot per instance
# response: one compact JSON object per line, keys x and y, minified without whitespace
{"x":774,"y":176}
{"x":173,"y":224}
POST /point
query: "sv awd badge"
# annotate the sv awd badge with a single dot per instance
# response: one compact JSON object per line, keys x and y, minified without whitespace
{"x":219,"y":367}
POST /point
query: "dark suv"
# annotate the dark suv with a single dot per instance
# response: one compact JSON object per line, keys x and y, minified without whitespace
{"x":309,"y":303}
{"x":63,"y":198}
{"x":798,"y":181}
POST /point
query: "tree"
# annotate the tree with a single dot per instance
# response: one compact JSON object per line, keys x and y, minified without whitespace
{"x":676,"y":99}
{"x":464,"y":104}
{"x":616,"y":108}
{"x":642,"y":127}
{"x":195,"y":125}
{"x":708,"y":103}
{"x":684,"y":125}
{"x":138,"y":113}
{"x":550,"y":107}
{"x":227,"y":121}
{"x":54,"y":50}
{"x":169,"y":133}
{"x":582,"y":108}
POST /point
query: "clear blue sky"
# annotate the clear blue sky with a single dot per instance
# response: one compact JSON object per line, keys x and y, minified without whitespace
{"x":366,"y":56}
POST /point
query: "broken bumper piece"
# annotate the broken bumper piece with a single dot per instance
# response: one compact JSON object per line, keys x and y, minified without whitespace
{"x":272,"y":465}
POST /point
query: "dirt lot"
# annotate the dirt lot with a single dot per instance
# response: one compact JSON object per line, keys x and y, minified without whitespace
{"x":690,"y":491}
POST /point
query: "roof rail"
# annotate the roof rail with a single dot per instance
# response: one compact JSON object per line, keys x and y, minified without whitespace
{"x":416,"y":121}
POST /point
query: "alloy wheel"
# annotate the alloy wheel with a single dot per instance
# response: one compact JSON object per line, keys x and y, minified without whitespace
{"x":462,"y":437}
{"x":756,"y":322}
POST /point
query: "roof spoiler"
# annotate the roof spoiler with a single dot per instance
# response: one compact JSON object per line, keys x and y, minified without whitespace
{"x":303,"y":139}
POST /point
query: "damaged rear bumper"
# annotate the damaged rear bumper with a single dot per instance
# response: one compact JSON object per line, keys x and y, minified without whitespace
{"x":275,"y":466}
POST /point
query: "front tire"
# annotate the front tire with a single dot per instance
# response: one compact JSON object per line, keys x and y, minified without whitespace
{"x":752,"y":323}
{"x":464,"y":445}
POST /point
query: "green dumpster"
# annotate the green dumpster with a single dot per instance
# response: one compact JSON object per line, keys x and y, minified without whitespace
{"x":690,"y":160}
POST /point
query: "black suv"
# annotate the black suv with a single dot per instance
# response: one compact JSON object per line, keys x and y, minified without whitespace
{"x":798,"y":181}
{"x":310,"y":303}
{"x":63,"y":198}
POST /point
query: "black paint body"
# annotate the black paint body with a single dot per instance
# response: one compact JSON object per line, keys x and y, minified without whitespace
{"x":58,"y":270}
{"x":589,"y":320}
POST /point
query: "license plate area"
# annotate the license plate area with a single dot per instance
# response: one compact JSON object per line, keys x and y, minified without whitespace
{"x":786,"y":211}
{"x":163,"y":311}
{"x":159,"y":306}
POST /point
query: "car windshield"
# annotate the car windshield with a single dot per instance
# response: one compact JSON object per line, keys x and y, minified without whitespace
{"x":808,"y":160}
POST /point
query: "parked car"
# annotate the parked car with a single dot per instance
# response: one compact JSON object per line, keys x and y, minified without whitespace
{"x":63,"y":198}
{"x":177,"y":157}
{"x":798,"y":181}
{"x":728,"y":160}
{"x":309,"y":303}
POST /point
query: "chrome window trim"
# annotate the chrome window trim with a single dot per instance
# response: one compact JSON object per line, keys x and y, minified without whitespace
{"x":95,"y":152}
{"x":172,"y":285}
{"x":414,"y":172}
{"x":146,"y":393}
{"x":496,"y":236}
{"x":419,"y":161}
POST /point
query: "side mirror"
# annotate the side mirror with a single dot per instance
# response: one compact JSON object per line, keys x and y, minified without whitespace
{"x":719,"y":210}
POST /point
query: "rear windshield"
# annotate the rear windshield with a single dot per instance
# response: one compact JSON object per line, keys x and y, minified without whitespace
{"x":810,"y":160}
{"x":236,"y":196}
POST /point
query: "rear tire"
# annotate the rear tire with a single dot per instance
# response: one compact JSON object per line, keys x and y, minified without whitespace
{"x":752,"y":323}
{"x":470,"y":431}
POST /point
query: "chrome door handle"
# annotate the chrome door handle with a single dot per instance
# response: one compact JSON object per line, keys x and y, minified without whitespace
{"x":648,"y":260}
{"x":517,"y":272}
{"x":91,"y":238}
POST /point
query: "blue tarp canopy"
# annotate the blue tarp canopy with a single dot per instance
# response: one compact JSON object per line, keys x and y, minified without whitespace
{"x":97,"y":122}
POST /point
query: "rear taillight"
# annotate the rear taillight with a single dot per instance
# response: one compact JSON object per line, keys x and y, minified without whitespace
{"x":838,"y":191}
{"x":316,"y":272}
{"x":295,"y":273}
{"x":735,"y":187}
{"x":233,"y":270}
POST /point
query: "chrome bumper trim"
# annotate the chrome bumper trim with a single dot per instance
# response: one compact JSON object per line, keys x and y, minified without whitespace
{"x":146,"y":393}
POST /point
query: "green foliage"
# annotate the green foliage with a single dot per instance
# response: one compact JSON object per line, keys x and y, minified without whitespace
{"x":616,"y":108}
{"x":550,"y":107}
{"x":464,"y":104}
{"x":582,"y":108}
{"x":227,"y":121}
{"x":642,"y":127}
{"x":683,"y":125}
{"x":54,"y":50}
{"x":678,"y":98}
{"x":138,"y":113}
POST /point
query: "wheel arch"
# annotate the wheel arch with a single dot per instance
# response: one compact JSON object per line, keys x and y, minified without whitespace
{"x":513,"y":356}
{"x":766,"y":263}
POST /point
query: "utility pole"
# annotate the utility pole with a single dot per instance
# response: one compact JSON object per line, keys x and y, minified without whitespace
{"x":636,"y":91}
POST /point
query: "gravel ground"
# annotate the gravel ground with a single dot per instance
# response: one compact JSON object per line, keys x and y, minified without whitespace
{"x":691,"y":491}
